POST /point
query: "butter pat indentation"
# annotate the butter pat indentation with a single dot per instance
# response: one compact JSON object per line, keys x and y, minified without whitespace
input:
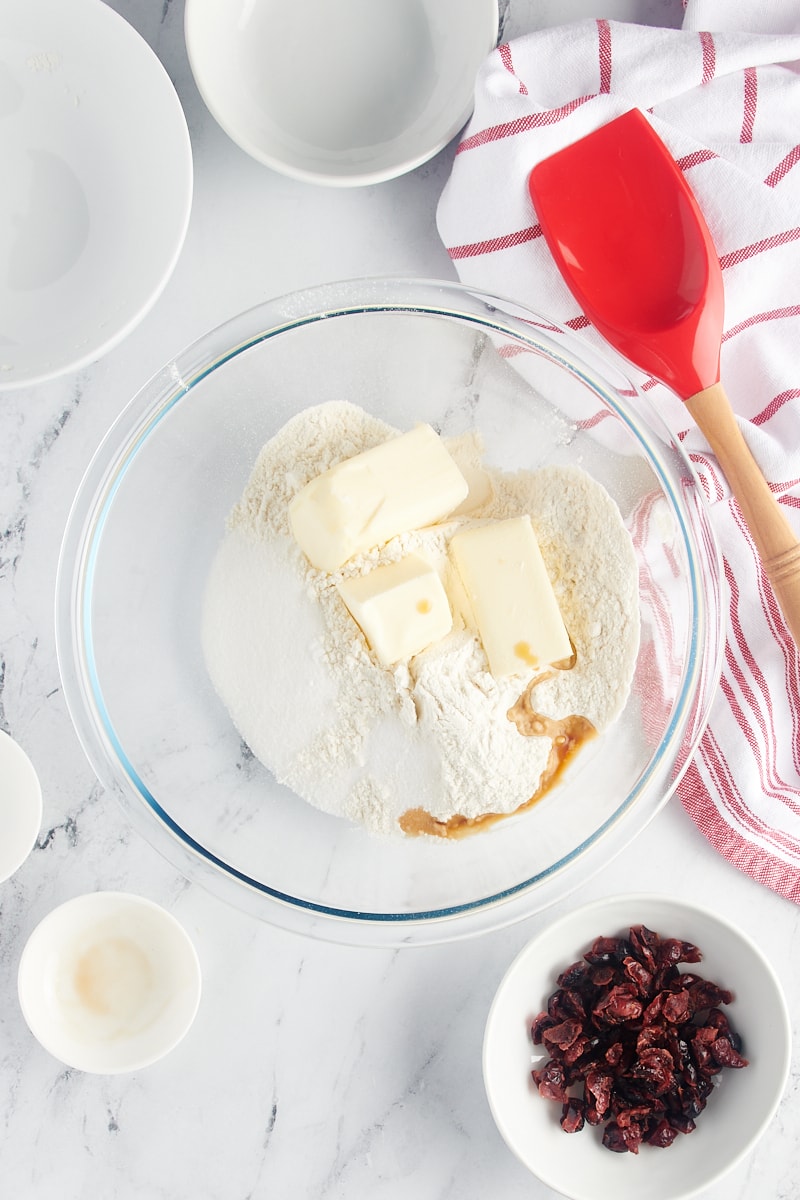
{"x":510,"y":600}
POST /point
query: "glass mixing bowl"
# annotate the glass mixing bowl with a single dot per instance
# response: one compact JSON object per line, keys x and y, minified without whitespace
{"x":150,"y":514}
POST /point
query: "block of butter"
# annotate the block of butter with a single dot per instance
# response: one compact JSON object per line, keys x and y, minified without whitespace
{"x":510,"y":600}
{"x":405,"y":483}
{"x":402,"y":608}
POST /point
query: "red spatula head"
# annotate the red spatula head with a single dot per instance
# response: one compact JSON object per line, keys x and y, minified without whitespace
{"x":631,"y":243}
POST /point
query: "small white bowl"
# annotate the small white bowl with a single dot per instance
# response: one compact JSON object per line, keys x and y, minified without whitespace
{"x":97,"y":184}
{"x":737,"y":1113}
{"x":20,"y":806}
{"x":109,"y":982}
{"x":339,"y":92}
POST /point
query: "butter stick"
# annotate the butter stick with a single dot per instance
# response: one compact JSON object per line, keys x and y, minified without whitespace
{"x":511,"y":602}
{"x":406,"y":483}
{"x":401,"y":608}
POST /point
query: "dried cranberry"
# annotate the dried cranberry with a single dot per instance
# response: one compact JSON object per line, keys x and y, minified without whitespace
{"x":576,"y":1050}
{"x":701,"y":1049}
{"x":572,"y":1004}
{"x":705,"y":994}
{"x":677,"y":1007}
{"x":690,"y":953}
{"x":652,"y":1014}
{"x":651,"y":1035}
{"x":605,"y":948}
{"x":644,"y":942}
{"x":572,"y":1115}
{"x":662,"y":1135}
{"x":685,"y":979}
{"x":573,"y":976}
{"x":614,"y":1053}
{"x":724,"y":1054}
{"x":717,"y":1020}
{"x":673,"y":951}
{"x":561,"y":1035}
{"x":618,"y":1005}
{"x":598,"y":1089}
{"x":634,"y":1114}
{"x":602,"y":975}
{"x":539,"y":1025}
{"x":681,"y":1123}
{"x":654,"y":1070}
{"x":638,"y":975}
{"x":550,"y":1082}
{"x":622,"y":1140}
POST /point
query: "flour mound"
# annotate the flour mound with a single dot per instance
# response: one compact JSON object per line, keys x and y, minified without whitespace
{"x":366,"y":743}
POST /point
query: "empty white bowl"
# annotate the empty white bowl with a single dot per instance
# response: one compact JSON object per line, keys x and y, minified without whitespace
{"x":109,"y":982}
{"x":20,"y":806}
{"x":344,"y":93}
{"x":739,"y":1109}
{"x":97,"y":184}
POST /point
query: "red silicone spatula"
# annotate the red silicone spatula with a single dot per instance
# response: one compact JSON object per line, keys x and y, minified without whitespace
{"x":631,"y":243}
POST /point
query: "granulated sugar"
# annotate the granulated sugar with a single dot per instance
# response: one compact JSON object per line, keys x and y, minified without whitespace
{"x":367,"y":743}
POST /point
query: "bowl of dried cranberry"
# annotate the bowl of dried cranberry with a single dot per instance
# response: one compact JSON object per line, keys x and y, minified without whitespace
{"x":638,"y":1046}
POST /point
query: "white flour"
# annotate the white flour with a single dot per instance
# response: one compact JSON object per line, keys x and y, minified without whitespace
{"x":367,"y":743}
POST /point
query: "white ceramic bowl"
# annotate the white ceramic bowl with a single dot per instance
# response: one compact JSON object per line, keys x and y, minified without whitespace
{"x":737,"y":1113}
{"x":109,"y":982}
{"x":344,"y":93}
{"x":20,"y":806}
{"x":97,"y":184}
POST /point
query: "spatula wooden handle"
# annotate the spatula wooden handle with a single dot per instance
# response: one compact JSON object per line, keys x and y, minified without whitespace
{"x":774,"y":537}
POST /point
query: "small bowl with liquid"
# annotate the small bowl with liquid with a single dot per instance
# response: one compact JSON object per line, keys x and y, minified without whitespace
{"x":109,"y":982}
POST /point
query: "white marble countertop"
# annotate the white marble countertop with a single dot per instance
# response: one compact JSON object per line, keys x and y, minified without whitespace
{"x":312,"y":1070}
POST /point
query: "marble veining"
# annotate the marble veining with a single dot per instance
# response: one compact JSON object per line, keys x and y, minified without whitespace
{"x":312,"y":1070}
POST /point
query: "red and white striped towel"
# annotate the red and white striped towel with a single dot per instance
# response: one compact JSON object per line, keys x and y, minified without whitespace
{"x":724,"y":94}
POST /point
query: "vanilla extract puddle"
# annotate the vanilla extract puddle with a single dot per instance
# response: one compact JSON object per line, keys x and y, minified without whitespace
{"x":567,"y":735}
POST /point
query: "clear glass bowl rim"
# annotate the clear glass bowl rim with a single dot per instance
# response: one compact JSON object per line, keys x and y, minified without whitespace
{"x":140,"y":418}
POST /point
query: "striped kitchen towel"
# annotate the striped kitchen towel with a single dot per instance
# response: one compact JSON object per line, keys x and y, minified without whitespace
{"x":724,"y":94}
